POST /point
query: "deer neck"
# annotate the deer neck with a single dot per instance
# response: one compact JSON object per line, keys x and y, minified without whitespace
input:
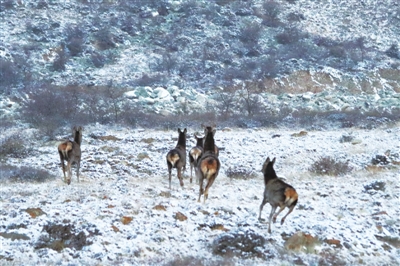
{"x":78,"y":137}
{"x":269,"y":174}
{"x":199,"y":142}
{"x":182,"y":141}
{"x":209,"y":143}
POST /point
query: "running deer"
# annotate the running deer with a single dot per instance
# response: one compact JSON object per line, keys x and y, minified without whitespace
{"x":70,"y":151}
{"x":208,"y":165}
{"x":195,"y":154}
{"x":176,"y":158}
{"x":213,"y":130}
{"x":277,"y":193}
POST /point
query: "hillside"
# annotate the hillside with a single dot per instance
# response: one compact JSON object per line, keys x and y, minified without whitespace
{"x":199,"y":44}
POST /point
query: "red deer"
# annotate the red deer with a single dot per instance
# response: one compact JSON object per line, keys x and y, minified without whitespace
{"x":176,"y":158}
{"x":208,"y":165}
{"x":70,"y":151}
{"x":195,"y":154}
{"x":277,"y":193}
{"x":213,"y":130}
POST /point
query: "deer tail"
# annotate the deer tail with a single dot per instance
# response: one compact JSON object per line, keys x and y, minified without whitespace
{"x":291,"y":196}
{"x":173,"y":158}
{"x":65,"y":154}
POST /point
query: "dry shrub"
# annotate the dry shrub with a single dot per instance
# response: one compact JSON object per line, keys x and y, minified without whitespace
{"x":240,"y":173}
{"x":14,"y":146}
{"x":327,"y":165}
{"x":24,"y":174}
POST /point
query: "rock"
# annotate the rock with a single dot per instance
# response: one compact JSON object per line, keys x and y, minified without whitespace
{"x":126,"y":219}
{"x":159,"y":207}
{"x":180,"y":216}
{"x":239,"y":243}
{"x":35,"y":212}
{"x":374,"y":187}
{"x":161,"y":93}
{"x":131,"y":95}
{"x":174,"y":91}
{"x":302,"y":242}
{"x":356,"y":141}
{"x":144,"y":92}
{"x":15,"y":236}
{"x":334,"y":242}
{"x":300,"y":134}
{"x":380,"y":159}
{"x":60,"y":236}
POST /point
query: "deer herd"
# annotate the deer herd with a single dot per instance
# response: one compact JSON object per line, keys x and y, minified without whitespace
{"x":203,"y":157}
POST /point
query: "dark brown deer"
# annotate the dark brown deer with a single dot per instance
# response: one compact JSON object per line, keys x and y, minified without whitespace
{"x":176,"y":158}
{"x":207,"y":129}
{"x":195,"y":154}
{"x":208,"y":165}
{"x":70,"y":151}
{"x":277,"y":193}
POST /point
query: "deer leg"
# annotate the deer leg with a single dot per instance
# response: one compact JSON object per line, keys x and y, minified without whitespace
{"x":201,"y":188}
{"x":169,"y":174}
{"x":62,"y":164}
{"x":209,"y":184}
{"x":191,"y":172}
{"x":262,"y":206}
{"x":78,"y":165}
{"x":180,"y":176}
{"x":284,"y":217}
{"x":69,"y":166}
{"x":196,"y":174}
{"x":281,"y":208}
{"x":270,"y":218}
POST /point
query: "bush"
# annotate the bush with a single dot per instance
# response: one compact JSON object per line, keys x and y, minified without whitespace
{"x":49,"y":108}
{"x":98,"y":59}
{"x":346,"y":138}
{"x":289,"y":36}
{"x":272,"y":10}
{"x":250,"y":33}
{"x":60,"y":61}
{"x":393,"y":51}
{"x":75,"y":39}
{"x":240,"y":173}
{"x":14,"y":146}
{"x":104,"y":39}
{"x":23,"y":174}
{"x":245,"y":244}
{"x":330,"y":166}
{"x":9,"y":73}
{"x":7,"y":4}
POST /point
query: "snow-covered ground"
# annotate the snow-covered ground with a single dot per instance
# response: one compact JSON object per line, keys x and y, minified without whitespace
{"x":124,"y":207}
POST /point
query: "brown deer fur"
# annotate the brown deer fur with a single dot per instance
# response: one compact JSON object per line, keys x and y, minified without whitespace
{"x":195,"y":154}
{"x":277,"y":193}
{"x":208,"y":165}
{"x":213,"y":130}
{"x":176,"y":158}
{"x":70,"y":151}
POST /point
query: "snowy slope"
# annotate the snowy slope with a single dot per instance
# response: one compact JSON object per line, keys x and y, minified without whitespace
{"x":127,"y":178}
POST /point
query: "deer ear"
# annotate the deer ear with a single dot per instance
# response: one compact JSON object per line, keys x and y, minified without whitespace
{"x":273,"y":161}
{"x":265,"y":165}
{"x":179,"y":130}
{"x":184,"y":131}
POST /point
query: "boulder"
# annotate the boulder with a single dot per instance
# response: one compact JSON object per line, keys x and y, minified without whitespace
{"x":161,"y":93}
